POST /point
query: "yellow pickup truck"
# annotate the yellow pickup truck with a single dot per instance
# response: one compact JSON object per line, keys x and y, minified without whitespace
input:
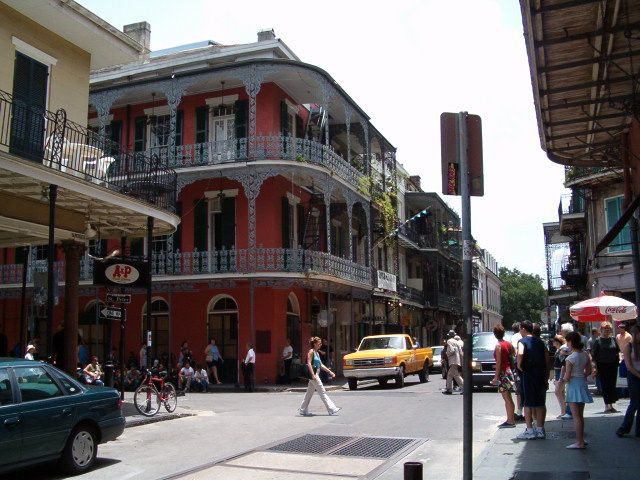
{"x":387,"y":356}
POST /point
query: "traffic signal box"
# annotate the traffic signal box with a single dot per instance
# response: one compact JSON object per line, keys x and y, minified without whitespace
{"x":450,"y":159}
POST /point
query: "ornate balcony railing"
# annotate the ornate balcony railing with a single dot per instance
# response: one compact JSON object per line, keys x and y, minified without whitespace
{"x":450,"y":302}
{"x":447,"y":242}
{"x":272,"y":147}
{"x":411,"y":294}
{"x":218,"y":262}
{"x":572,"y":174}
{"x":41,"y":136}
{"x":259,"y":260}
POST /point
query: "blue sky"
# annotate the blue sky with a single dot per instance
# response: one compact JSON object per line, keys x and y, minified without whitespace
{"x":405,"y":62}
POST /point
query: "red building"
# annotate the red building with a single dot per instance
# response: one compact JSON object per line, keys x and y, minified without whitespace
{"x":277,"y":167}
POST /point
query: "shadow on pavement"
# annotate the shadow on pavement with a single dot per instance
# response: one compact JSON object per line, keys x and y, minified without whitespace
{"x":50,"y":470}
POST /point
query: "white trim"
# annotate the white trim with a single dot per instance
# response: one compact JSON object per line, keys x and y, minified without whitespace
{"x":216,"y":299}
{"x":33,"y":52}
{"x":158,"y":111}
{"x":231,"y":192}
{"x":293,"y":200}
{"x":95,"y":121}
{"x":292,"y":107}
{"x":217,"y":101}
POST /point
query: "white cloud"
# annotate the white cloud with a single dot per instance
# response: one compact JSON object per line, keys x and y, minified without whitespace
{"x":405,"y":62}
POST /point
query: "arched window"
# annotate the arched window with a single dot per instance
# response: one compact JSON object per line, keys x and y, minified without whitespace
{"x":293,"y":322}
{"x":93,"y":329}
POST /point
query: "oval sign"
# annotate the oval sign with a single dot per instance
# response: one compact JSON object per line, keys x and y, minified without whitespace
{"x":122,"y":273}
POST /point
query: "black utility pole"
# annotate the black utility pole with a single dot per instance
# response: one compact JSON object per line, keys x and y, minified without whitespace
{"x":149,"y":262}
{"x":53,"y":195}
{"x":467,"y":256}
{"x":123,"y":320}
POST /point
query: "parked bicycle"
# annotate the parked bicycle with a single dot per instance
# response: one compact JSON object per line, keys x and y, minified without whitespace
{"x":153,"y":392}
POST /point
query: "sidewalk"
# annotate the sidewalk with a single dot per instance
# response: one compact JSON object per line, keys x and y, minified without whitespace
{"x":606,"y":457}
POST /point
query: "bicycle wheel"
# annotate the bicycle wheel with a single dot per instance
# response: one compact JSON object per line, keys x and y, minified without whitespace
{"x":147,"y":400}
{"x":170,"y":397}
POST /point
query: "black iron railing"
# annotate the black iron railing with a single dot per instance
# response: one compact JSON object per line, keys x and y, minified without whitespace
{"x":36,"y":134}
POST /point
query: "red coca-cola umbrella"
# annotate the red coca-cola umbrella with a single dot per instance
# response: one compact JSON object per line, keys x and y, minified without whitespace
{"x":603,"y":307}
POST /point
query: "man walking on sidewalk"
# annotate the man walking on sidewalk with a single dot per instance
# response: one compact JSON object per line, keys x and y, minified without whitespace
{"x":454,"y":359}
{"x":532,"y":363}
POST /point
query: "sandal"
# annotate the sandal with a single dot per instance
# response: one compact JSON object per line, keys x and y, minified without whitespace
{"x":574,"y":446}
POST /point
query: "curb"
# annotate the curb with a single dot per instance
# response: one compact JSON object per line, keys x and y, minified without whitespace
{"x":137,"y":421}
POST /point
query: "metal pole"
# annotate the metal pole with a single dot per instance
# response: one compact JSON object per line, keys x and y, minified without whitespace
{"x":123,"y":246}
{"x":149,"y":265}
{"x":635,"y":254}
{"x":413,"y":471}
{"x":23,"y":294}
{"x":53,"y":194}
{"x":467,"y":255}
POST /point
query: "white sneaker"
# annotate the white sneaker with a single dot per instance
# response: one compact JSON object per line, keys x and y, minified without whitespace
{"x":303,"y":413}
{"x":566,"y":416}
{"x":540,"y":433}
{"x":528,"y":434}
{"x":333,"y":412}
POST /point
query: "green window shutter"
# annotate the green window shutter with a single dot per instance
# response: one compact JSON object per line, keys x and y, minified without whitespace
{"x":284,"y":120}
{"x":301,"y":223}
{"x":139,"y":134}
{"x":201,"y":124}
{"x":177,"y":235}
{"x":299,"y":127}
{"x":200,"y":225}
{"x":285,"y":223}
{"x":613,"y":211}
{"x":228,"y":222}
{"x":179,"y":126}
{"x":136,"y":247}
{"x":22,"y":255}
{"x":242,"y":117}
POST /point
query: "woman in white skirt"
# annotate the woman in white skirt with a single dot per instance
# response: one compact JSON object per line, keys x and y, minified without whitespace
{"x":314,"y":365}
{"x":577,"y":369}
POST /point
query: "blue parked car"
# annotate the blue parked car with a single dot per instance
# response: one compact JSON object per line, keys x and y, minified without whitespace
{"x":46,"y":415}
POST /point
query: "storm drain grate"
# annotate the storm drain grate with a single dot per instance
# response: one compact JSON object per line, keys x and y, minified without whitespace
{"x":311,"y":444}
{"x":373,"y":447}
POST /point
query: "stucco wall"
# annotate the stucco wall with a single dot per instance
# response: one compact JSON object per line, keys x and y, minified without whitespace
{"x":69,"y":78}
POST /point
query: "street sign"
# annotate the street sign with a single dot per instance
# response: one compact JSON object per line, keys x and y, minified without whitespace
{"x":112,"y":313}
{"x":118,"y":298}
{"x":118,"y":272}
{"x":449,"y":139}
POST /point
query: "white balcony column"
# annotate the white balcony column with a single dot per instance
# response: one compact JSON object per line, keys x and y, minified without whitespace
{"x":327,"y":208}
{"x":327,"y":93}
{"x":367,"y":147}
{"x":350,"y":201}
{"x":348,"y":112}
{"x":173,"y":90}
{"x":252,"y":78}
{"x":102,"y":102}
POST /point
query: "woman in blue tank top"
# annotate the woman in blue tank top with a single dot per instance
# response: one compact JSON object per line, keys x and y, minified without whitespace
{"x":314,"y":365}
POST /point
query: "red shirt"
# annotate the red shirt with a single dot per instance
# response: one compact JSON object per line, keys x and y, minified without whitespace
{"x":505,"y":349}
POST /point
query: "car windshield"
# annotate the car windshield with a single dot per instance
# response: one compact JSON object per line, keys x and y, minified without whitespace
{"x":482,"y":342}
{"x":376,"y":343}
{"x":436,"y":350}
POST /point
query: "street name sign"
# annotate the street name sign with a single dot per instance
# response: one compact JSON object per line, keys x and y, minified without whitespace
{"x":118,"y":298}
{"x":112,"y":313}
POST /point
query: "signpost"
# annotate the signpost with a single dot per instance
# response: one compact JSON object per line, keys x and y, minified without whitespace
{"x":461,"y":152}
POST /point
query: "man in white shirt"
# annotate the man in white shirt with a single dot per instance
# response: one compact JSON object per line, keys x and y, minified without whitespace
{"x":143,"y":357}
{"x":185,"y":376}
{"x":249,"y":368}
{"x":201,"y":379}
{"x":287,"y":358}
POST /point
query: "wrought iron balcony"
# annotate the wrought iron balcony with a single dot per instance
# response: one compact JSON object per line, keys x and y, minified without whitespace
{"x":272,"y":147}
{"x":48,"y":138}
{"x":259,"y":260}
{"x":571,"y":214}
{"x":449,"y":302}
{"x":446,"y":242}
{"x":579,"y":175}
{"x":410,"y":294}
{"x":276,"y":260}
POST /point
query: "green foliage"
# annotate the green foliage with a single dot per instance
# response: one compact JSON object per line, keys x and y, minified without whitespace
{"x":522,"y":296}
{"x":365,"y":185}
{"x":300,"y":158}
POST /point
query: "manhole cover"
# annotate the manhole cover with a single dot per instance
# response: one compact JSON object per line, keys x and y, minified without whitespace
{"x":311,"y":444}
{"x":373,"y":447}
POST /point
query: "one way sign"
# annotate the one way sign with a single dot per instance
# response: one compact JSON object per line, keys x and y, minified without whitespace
{"x":111,"y":313}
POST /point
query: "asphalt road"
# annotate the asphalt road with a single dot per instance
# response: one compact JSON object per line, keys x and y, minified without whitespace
{"x":226,"y":425}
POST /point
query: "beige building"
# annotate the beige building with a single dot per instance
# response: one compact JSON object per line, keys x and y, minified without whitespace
{"x":62,"y":185}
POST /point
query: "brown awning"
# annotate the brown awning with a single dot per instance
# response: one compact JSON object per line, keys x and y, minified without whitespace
{"x":618,"y":226}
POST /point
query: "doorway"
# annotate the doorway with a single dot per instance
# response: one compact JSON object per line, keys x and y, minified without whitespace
{"x":293,"y":324}
{"x":222,"y":325}
{"x":160,"y":321}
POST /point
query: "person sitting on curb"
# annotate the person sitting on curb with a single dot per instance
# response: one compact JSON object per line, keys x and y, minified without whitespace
{"x":93,"y":372}
{"x":185,"y":376}
{"x":200,"y":379}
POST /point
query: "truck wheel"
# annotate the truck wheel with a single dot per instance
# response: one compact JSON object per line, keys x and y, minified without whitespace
{"x":353,"y":383}
{"x":400,"y":378}
{"x":423,"y":375}
{"x":383,"y":381}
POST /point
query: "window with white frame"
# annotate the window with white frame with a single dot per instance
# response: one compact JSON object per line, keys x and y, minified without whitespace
{"x":159,"y":131}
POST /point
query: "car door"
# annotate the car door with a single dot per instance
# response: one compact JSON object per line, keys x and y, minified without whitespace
{"x":411,"y":356}
{"x":46,"y":414}
{"x":10,"y":435}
